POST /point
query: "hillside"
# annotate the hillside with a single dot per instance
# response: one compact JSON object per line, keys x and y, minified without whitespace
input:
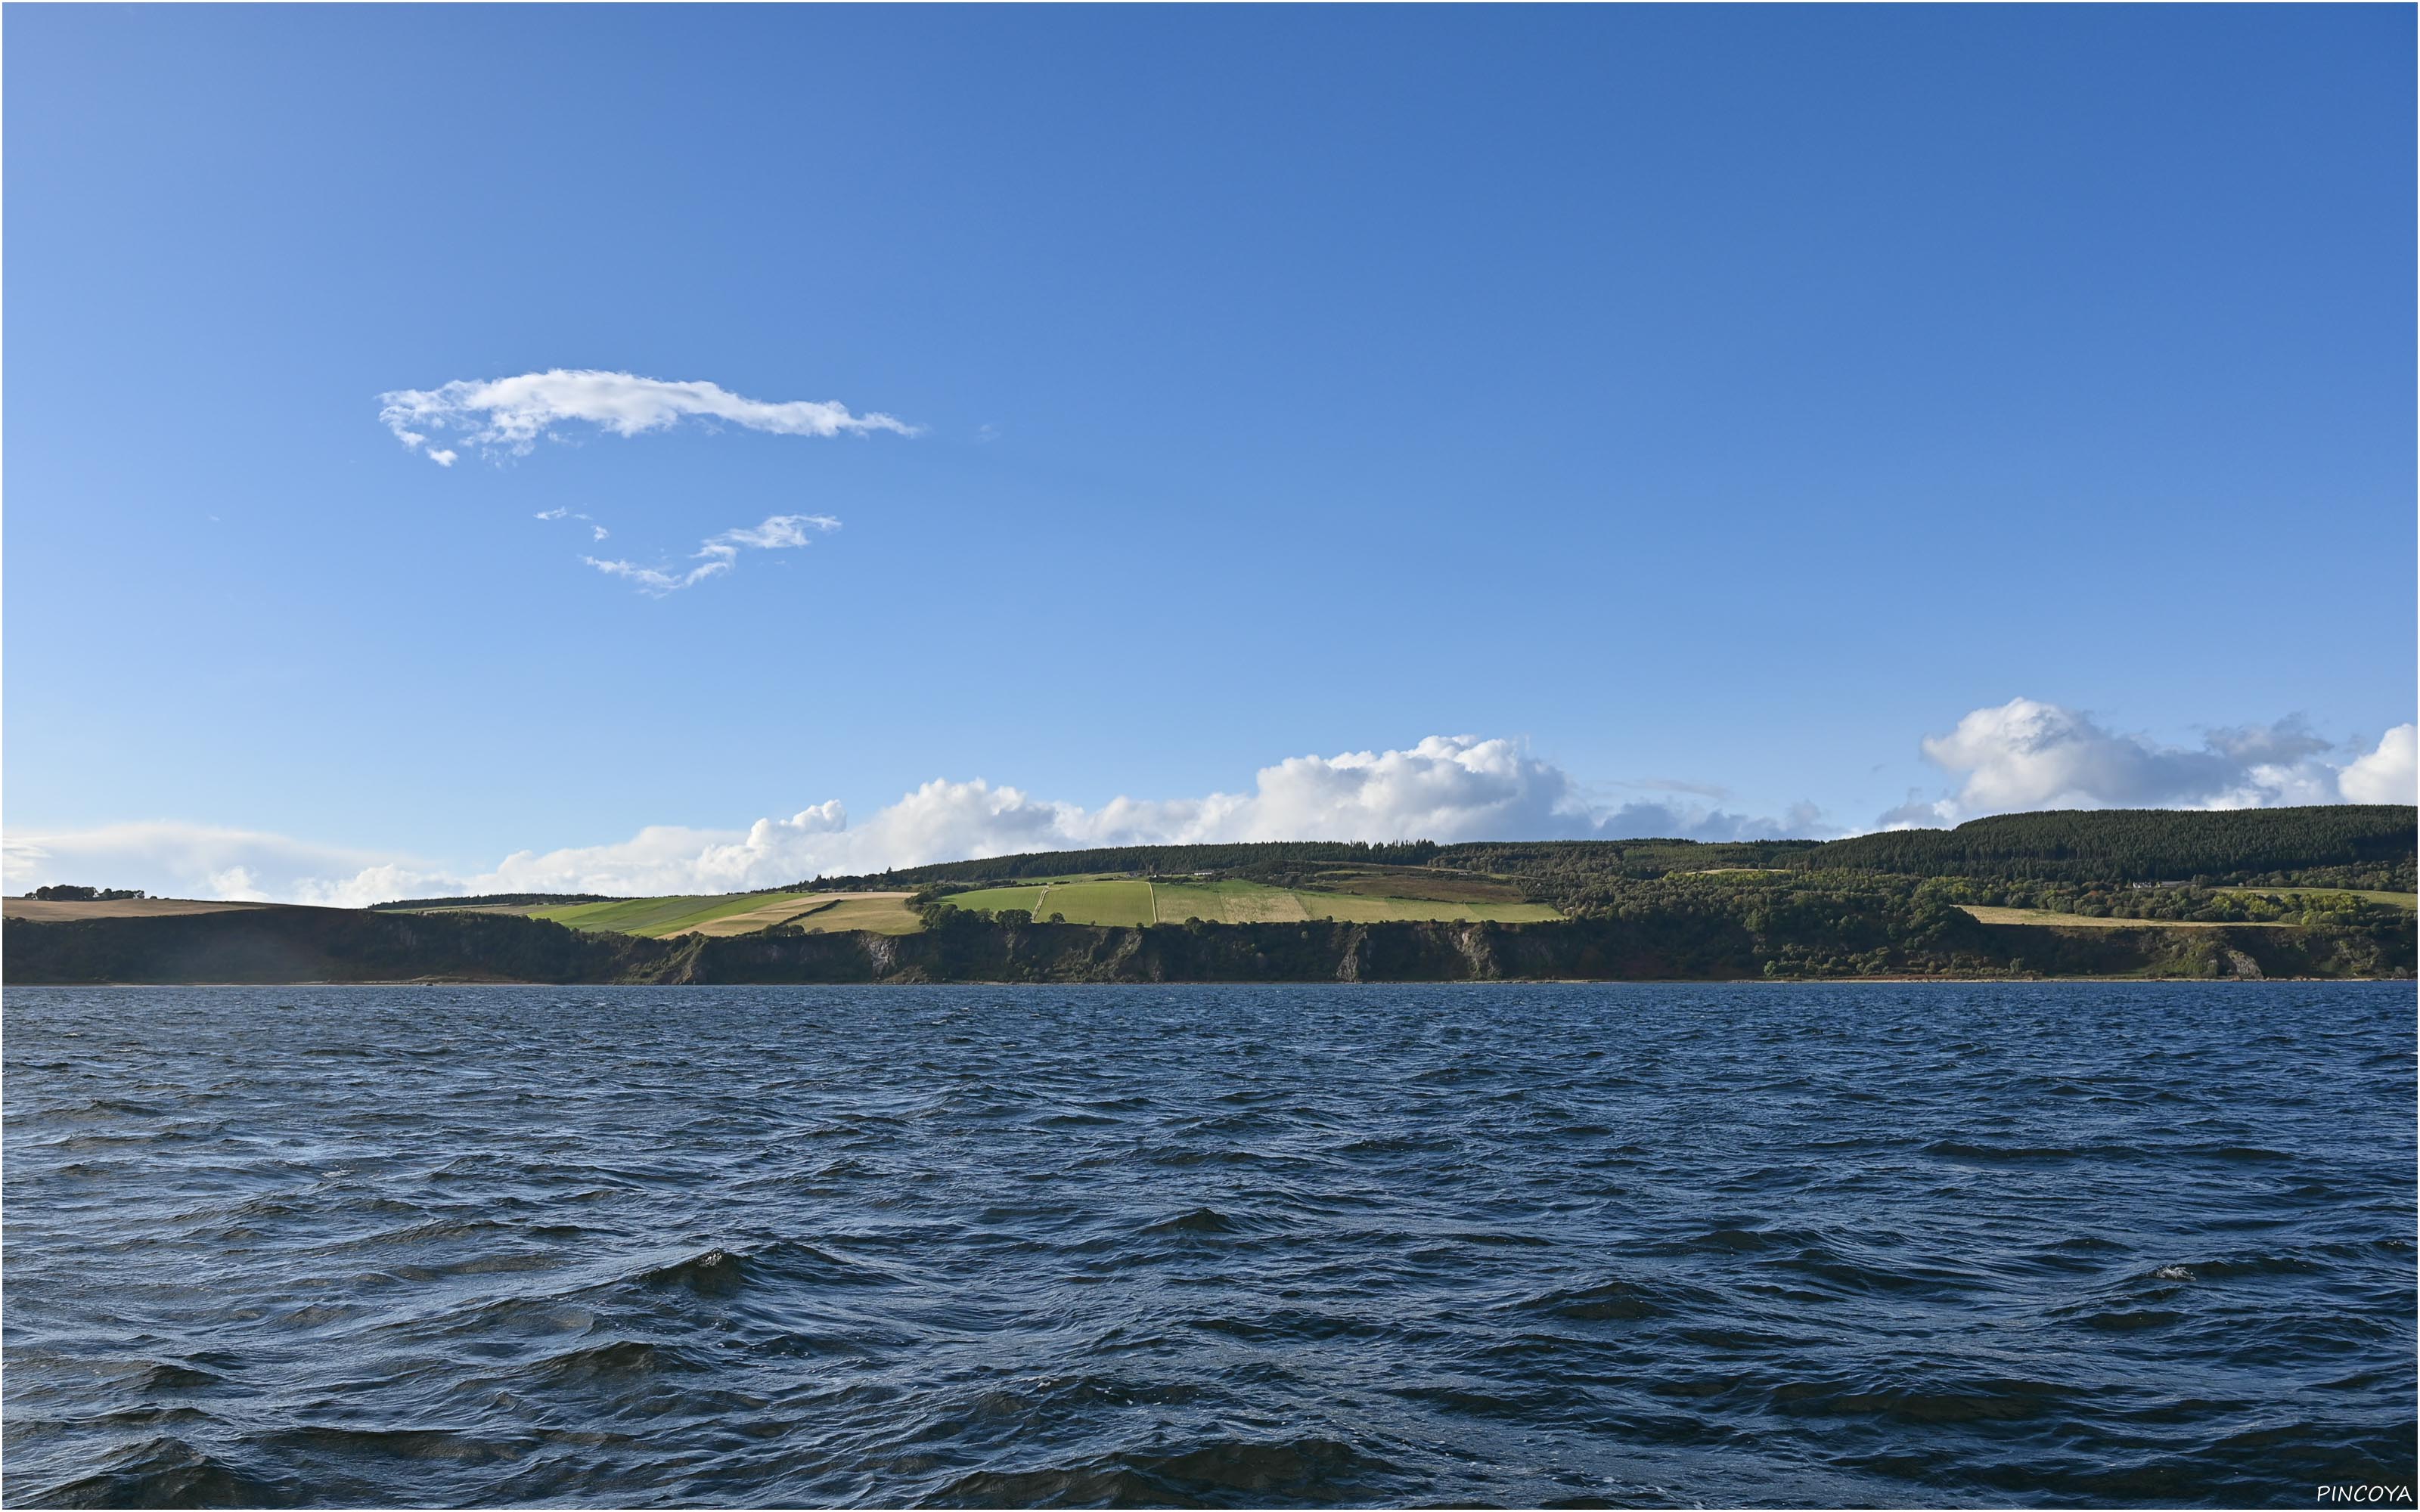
{"x":2340,"y":845}
{"x":2310,"y":891}
{"x":50,"y":911}
{"x":2355,"y":845}
{"x":1362,"y":895}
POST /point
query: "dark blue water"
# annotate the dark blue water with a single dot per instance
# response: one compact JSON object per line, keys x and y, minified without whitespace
{"x":2034,"y":1244}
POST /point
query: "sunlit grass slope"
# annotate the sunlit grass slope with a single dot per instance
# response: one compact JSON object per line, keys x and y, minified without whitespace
{"x":737,"y":914}
{"x":2391,"y":900}
{"x":882,"y":913}
{"x":1985,"y":914}
{"x":654,"y":917}
{"x":1230,"y":901}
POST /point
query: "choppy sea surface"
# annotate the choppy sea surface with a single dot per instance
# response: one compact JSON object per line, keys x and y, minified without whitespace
{"x":2038,"y":1243}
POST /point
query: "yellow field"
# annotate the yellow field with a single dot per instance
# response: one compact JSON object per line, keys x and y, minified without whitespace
{"x":1135,"y":900}
{"x":1226,"y":903}
{"x":880,"y":912}
{"x":817,"y":911}
{"x":59,"y":913}
{"x":1358,"y":910}
{"x":2391,"y":900}
{"x":992,"y":899}
{"x":1987,"y":915}
{"x":731,"y":914}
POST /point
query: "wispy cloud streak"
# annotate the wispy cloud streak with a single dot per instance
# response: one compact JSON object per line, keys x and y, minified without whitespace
{"x":717,"y":554}
{"x":512,"y":414}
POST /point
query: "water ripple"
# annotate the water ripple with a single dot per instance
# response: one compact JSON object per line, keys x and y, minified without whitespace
{"x":2054,"y":1245}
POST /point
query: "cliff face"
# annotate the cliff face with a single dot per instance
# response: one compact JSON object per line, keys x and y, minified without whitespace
{"x":296,"y":944}
{"x":285,"y":944}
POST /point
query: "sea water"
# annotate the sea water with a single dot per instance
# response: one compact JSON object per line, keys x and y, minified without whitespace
{"x":2031,"y":1243}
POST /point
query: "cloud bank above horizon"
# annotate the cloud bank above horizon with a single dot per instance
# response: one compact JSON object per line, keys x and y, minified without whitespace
{"x":512,"y":414}
{"x":2026,"y":755}
{"x":2019,"y":755}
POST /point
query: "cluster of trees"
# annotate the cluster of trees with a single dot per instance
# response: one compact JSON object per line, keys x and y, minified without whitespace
{"x":1285,"y":863}
{"x":493,"y":900}
{"x":64,"y":892}
{"x":1142,"y":860}
{"x":2159,"y":903}
{"x":2345,"y":845}
{"x":2334,"y":845}
{"x":1785,"y":923}
{"x":1571,"y":859}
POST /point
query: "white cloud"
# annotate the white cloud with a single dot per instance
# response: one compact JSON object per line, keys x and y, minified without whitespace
{"x":1916,"y":813}
{"x":717,"y":553}
{"x":174,"y":860}
{"x":1445,"y":789}
{"x":596,"y":531}
{"x":512,"y":414}
{"x":2390,"y":774}
{"x":2021,"y":754}
{"x":235,"y":885}
{"x":2024,"y":754}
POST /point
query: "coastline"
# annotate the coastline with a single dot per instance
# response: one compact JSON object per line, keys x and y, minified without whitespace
{"x":1494,"y":981}
{"x":336,"y":947}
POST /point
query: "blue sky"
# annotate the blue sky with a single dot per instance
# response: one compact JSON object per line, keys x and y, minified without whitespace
{"x":1702,"y":409}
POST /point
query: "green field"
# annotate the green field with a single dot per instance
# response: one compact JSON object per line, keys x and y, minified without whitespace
{"x":744,"y":913}
{"x":1379,"y":910}
{"x":881,"y":913}
{"x":1135,"y":900}
{"x":1126,"y":901}
{"x":1228,"y":902}
{"x":1362,"y":896}
{"x":2391,"y":900}
{"x":1986,"y":913}
{"x":660,"y":916}
{"x":992,"y":899}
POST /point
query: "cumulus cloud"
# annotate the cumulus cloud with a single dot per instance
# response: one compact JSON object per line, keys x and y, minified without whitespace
{"x":2021,"y":754}
{"x":2390,"y":774}
{"x":174,"y":860}
{"x":512,"y":414}
{"x":1445,"y":789}
{"x":717,"y":554}
{"x":2025,"y":754}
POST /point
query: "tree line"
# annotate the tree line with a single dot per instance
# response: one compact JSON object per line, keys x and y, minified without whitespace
{"x":2334,"y":845}
{"x":2357,"y":845}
